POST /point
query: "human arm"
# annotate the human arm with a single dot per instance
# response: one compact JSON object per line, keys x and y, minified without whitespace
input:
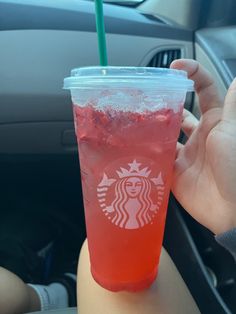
{"x":167,"y":295}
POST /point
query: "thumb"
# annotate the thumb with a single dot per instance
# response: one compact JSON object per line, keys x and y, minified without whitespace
{"x":229,"y":112}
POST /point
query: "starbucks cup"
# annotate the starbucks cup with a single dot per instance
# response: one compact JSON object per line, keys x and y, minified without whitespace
{"x":127,"y":122}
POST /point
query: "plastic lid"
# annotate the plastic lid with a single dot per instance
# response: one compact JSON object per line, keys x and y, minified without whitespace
{"x":125,"y":77}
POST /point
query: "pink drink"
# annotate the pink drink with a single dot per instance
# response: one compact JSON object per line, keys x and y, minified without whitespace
{"x":126,"y":165}
{"x":127,"y":143}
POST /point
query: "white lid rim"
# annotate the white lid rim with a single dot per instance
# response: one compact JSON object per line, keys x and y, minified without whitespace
{"x":125,"y":77}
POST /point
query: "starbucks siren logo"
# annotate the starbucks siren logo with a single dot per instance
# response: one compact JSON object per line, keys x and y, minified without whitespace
{"x":132,"y":206}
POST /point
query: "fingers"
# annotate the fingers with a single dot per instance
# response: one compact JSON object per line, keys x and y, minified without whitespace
{"x":178,"y":149}
{"x":204,"y":84}
{"x":229,"y":112}
{"x":189,"y":123}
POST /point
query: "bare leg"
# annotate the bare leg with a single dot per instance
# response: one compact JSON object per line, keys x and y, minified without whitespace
{"x":168,"y":294}
{"x":15,"y":296}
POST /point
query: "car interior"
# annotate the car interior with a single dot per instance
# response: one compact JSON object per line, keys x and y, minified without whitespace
{"x":40,"y":42}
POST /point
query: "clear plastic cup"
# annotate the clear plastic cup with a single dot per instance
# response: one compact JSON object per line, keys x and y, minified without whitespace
{"x":127,"y":122}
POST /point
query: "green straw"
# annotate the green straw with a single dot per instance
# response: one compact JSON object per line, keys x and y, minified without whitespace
{"x":101,"y":32}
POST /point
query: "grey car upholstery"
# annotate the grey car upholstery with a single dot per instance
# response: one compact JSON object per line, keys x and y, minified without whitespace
{"x":61,"y":311}
{"x":219,"y":45}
